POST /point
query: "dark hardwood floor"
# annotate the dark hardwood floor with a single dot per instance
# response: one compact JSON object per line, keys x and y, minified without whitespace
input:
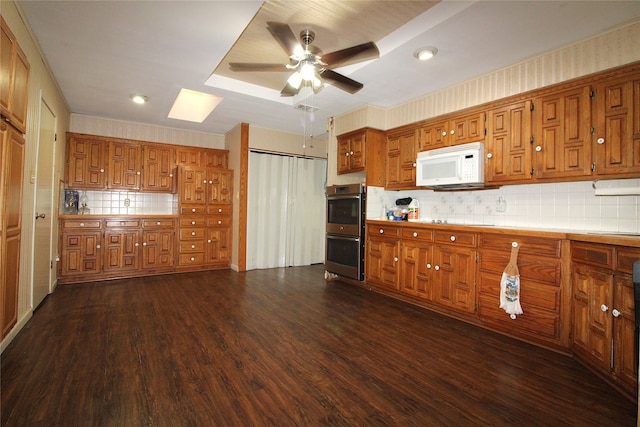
{"x":280,"y":347}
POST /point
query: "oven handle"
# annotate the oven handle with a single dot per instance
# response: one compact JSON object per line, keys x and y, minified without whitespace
{"x":343,"y":197}
{"x":347,"y":238}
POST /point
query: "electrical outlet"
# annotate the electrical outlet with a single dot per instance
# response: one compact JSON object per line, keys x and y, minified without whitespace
{"x":127,"y":202}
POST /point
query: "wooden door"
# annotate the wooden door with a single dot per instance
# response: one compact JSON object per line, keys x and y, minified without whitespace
{"x":415,"y":269}
{"x":192,"y":184}
{"x":563,"y":134}
{"x":125,"y":166}
{"x":625,"y":347}
{"x":158,"y":165}
{"x":408,"y":151}
{"x":122,"y":253}
{"x":218,"y":246}
{"x":591,"y":315}
{"x":432,"y":136}
{"x":219,"y":185}
{"x":468,"y":128}
{"x":617,"y":130}
{"x":343,"y":155}
{"x":14,"y":83}
{"x":216,"y":159}
{"x":81,"y":253}
{"x":454,"y":278}
{"x":508,"y":144}
{"x":188,"y":156}
{"x":86,"y":163}
{"x":158,"y":249}
{"x":357,"y":151}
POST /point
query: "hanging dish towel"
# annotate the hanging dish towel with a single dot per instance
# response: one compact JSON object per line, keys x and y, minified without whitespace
{"x":510,"y":285}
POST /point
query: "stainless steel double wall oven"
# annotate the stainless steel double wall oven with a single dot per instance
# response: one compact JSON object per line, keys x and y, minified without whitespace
{"x":345,"y":230}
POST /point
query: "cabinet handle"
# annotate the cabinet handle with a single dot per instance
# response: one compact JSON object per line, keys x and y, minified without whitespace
{"x":395,"y":259}
{"x":429,"y":266}
{"x":452,"y":131}
{"x":209,"y":241}
{"x":604,"y":308}
{"x":193,"y":259}
{"x":193,"y":233}
{"x":219,"y":222}
{"x":170,"y":175}
{"x":616,"y":313}
{"x":158,"y":223}
{"x":138,"y":173}
{"x":381,"y":231}
{"x":193,"y":246}
{"x":600,"y":141}
{"x":204,"y":181}
{"x":97,"y":246}
{"x":415,"y":234}
{"x":538,"y":148}
{"x":453,"y":238}
{"x":444,"y":133}
{"x":144,"y":243}
{"x":347,"y":154}
{"x":101,"y":170}
{"x":136,"y":244}
{"x":193,"y":223}
{"x":210,"y":182}
{"x":351,"y":153}
{"x":193,"y":210}
{"x":219,"y":209}
{"x":489,"y":155}
{"x":437,"y":267}
{"x":82,"y":224}
{"x":414,"y":165}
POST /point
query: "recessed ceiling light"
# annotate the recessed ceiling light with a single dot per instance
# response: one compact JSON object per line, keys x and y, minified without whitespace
{"x":139,"y":99}
{"x":425,"y":53}
{"x":193,"y":106}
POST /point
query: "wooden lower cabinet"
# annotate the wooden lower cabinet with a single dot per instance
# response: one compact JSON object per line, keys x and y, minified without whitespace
{"x":205,"y":236}
{"x":455,"y":270}
{"x":544,"y":297}
{"x":416,"y":263}
{"x":382,"y":255}
{"x":97,"y":248}
{"x":604,"y":313}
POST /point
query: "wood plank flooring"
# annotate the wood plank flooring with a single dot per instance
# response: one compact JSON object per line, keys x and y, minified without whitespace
{"x":280,"y":347}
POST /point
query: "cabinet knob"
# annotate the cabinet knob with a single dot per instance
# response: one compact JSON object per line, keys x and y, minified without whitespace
{"x":347,"y":154}
{"x":452,"y":238}
{"x":415,"y":234}
{"x":170,"y":175}
{"x":97,"y":246}
{"x":193,"y":210}
{"x":600,"y":141}
{"x":616,"y":313}
{"x":193,"y":246}
{"x":101,"y":170}
{"x":193,"y":223}
{"x":452,"y":131}
{"x":138,"y":173}
{"x":414,"y":165}
{"x":193,"y":233}
{"x":209,"y":241}
{"x":193,"y":259}
{"x":437,"y":267}
{"x":219,"y":222}
{"x":395,"y":259}
{"x":158,"y":223}
{"x":82,"y":224}
{"x":204,"y":181}
{"x":210,"y":182}
{"x":444,"y":133}
{"x":381,"y":231}
{"x":489,"y":155}
{"x":538,"y":148}
{"x":429,"y":266}
{"x":219,"y":209}
{"x":351,"y":153}
{"x":136,"y":244}
{"x":604,"y":308}
{"x":144,"y":243}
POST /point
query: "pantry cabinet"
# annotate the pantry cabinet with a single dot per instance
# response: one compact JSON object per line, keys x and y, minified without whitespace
{"x":617,"y":127}
{"x":562,"y":134}
{"x":508,"y":151}
{"x":14,"y":84}
{"x":603,"y":313}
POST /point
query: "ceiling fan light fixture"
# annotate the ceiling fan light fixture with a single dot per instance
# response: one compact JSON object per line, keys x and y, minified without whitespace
{"x":139,"y":99}
{"x":425,"y":53}
{"x":307,"y":71}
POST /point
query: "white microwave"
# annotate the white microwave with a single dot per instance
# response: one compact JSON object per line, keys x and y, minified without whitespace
{"x":458,"y":166}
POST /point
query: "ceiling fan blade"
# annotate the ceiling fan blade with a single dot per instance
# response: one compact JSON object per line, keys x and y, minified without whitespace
{"x":341,"y":81}
{"x":249,"y":66}
{"x":351,"y":55}
{"x":285,"y":37}
{"x":289,"y":90}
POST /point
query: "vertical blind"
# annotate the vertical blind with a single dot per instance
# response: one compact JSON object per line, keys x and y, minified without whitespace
{"x":286,"y":211}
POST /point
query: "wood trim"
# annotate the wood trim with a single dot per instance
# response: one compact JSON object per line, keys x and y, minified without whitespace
{"x":243,"y":197}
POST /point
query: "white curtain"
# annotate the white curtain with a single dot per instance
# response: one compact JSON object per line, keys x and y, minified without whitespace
{"x":286,"y":211}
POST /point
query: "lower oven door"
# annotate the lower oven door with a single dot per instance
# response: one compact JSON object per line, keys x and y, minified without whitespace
{"x":345,"y":256}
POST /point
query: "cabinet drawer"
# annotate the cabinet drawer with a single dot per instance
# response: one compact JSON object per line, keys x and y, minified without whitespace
{"x":78,"y":223}
{"x":589,"y":253}
{"x":456,"y":238}
{"x":191,"y":259}
{"x":625,"y":257}
{"x":192,"y":209}
{"x":220,"y":209}
{"x":219,"y":220}
{"x":532,"y":268}
{"x":527,"y":245}
{"x":189,"y":247}
{"x":190,"y":233}
{"x":192,"y":221}
{"x":420,"y":234}
{"x":120,"y":223}
{"x":383,"y":230}
{"x":158,"y":223}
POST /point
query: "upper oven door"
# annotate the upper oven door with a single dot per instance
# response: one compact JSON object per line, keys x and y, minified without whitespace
{"x":345,"y":214}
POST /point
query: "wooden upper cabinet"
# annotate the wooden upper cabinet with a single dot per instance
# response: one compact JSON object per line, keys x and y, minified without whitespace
{"x":158,"y":164}
{"x":219,"y":185}
{"x":617,"y":127}
{"x":216,"y":159}
{"x":401,"y":160}
{"x":433,"y":135}
{"x":187,"y":156}
{"x":125,"y":166}
{"x":452,"y":130}
{"x":192,"y":185}
{"x":562,"y":134}
{"x":352,"y":152}
{"x":86,"y":162}
{"x":14,"y":79}
{"x":508,"y":144}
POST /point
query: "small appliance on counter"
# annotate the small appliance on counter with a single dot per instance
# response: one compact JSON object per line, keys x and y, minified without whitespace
{"x":71,"y":200}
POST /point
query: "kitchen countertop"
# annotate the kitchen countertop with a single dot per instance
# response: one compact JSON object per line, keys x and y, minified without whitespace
{"x":99,"y":216}
{"x":603,"y":237}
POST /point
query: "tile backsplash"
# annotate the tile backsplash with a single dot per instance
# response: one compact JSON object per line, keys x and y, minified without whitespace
{"x":568,"y":205}
{"x":130,"y":203}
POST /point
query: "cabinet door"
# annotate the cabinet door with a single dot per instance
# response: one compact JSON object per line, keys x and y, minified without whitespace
{"x":122,"y":253}
{"x":159,"y":167}
{"x":15,"y":79}
{"x":192,"y":184}
{"x":125,"y":166}
{"x":401,"y":160}
{"x":563,"y":134}
{"x":468,"y":128}
{"x":343,"y":155}
{"x":188,"y":156}
{"x":157,"y":249}
{"x":617,"y":136}
{"x":86,"y":158}
{"x":508,"y":144}
{"x":591,"y":317}
{"x":625,"y":365}
{"x":81,"y":253}
{"x":218,"y":246}
{"x":219,"y":185}
{"x":216,"y":159}
{"x":433,"y":136}
{"x":357,"y":149}
{"x":382,"y":262}
{"x":415,"y":269}
{"x":454,"y":278}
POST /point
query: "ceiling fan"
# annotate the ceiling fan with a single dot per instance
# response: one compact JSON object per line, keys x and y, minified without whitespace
{"x":311,"y":67}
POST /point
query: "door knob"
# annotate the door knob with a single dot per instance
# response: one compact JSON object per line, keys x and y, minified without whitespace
{"x":39,"y":216}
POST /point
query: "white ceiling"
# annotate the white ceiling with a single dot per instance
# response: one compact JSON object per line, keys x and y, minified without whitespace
{"x":100,"y":52}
